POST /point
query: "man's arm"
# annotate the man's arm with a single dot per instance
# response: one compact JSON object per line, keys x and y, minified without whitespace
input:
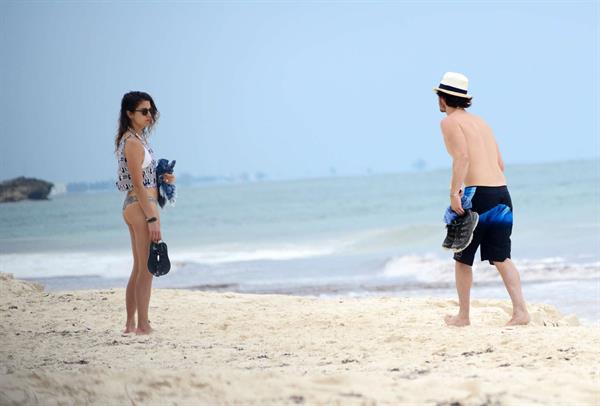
{"x":500,"y":160}
{"x":456,"y":145}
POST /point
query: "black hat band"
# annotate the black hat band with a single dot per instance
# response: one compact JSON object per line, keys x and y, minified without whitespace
{"x":452,"y":89}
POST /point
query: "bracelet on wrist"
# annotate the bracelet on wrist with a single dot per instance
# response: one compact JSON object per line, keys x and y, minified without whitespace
{"x":151,"y":220}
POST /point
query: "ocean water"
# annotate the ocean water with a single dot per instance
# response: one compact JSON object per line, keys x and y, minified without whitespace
{"x":359,"y":236}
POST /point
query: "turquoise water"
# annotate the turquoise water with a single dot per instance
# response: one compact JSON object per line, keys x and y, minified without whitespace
{"x":377,"y":234}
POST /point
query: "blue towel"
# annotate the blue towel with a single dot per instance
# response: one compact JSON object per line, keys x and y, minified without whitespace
{"x":450,"y":215}
{"x":166,"y":191}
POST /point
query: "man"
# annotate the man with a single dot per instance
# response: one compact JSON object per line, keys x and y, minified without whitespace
{"x":477,"y":163}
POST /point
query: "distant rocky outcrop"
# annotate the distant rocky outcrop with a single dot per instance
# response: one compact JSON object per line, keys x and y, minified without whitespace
{"x":23,"y":188}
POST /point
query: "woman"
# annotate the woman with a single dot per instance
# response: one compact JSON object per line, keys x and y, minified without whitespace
{"x":137,"y":176}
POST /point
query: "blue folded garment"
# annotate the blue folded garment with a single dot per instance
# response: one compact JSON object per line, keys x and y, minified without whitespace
{"x":166,"y":191}
{"x":465,"y":201}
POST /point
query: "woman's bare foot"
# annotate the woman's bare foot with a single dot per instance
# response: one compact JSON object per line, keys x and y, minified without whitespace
{"x":144,"y":329}
{"x":456,"y":321}
{"x":519,"y":319}
{"x":129,"y":329}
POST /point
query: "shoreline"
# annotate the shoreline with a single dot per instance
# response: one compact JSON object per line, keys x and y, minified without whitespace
{"x":275,"y":349}
{"x":585,"y":306}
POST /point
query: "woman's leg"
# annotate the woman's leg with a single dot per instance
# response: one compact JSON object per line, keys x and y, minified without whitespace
{"x":130,"y":292}
{"x":143,"y":278}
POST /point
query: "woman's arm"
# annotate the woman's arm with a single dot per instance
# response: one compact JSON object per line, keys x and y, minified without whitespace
{"x":134,"y":152}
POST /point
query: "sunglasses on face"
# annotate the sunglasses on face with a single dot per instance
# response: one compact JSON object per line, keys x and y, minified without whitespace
{"x":145,"y":111}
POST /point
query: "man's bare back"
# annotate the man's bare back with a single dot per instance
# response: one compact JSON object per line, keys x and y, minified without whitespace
{"x":485,"y":161}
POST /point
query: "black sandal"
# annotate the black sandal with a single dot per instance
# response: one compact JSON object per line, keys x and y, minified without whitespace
{"x":158,"y":260}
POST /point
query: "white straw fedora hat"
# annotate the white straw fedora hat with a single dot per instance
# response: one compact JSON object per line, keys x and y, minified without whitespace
{"x":455,"y":84}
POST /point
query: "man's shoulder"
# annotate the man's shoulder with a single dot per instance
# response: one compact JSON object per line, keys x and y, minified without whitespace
{"x":449,"y":122}
{"x":457,"y":120}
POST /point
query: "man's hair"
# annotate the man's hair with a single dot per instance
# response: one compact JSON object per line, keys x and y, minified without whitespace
{"x":455,"y":101}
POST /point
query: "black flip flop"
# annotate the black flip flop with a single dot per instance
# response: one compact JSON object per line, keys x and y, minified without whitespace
{"x":158,"y":260}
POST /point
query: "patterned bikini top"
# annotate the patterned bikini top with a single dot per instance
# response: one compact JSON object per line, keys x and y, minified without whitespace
{"x":124,"y":182}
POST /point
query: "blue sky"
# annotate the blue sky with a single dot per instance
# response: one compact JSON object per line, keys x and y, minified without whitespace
{"x":292,"y":88}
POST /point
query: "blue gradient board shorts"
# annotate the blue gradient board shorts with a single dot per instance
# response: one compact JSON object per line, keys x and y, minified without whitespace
{"x":493,"y":231}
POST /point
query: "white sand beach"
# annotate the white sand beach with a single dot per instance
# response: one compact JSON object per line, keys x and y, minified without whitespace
{"x":221,"y":348}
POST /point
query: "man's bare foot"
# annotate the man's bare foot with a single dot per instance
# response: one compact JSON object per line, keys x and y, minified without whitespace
{"x":519,"y":319}
{"x":456,"y":321}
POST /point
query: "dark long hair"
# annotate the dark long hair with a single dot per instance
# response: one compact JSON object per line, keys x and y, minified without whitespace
{"x":130,"y":102}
